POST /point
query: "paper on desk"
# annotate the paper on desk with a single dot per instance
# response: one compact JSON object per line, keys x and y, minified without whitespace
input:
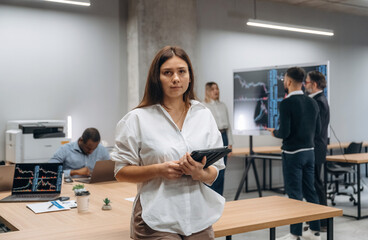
{"x":70,"y":204}
{"x":51,"y":206}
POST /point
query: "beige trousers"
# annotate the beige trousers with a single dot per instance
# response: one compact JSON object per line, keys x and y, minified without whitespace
{"x":142,"y":231}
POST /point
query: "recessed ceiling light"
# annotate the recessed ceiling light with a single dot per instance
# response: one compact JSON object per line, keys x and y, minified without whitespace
{"x":86,"y":3}
{"x":288,"y":27}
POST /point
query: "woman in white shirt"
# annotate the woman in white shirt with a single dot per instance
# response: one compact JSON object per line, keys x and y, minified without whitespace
{"x":152,"y":147}
{"x":220,"y":113}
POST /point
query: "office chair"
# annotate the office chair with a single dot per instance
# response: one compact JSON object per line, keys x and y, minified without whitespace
{"x":352,"y":148}
{"x":337,"y":169}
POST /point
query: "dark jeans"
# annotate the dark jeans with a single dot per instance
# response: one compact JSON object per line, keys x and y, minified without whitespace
{"x":218,"y":185}
{"x":298,"y":171}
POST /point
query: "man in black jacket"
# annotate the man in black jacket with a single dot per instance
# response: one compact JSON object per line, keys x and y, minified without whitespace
{"x":314,"y":85}
{"x":299,"y":122}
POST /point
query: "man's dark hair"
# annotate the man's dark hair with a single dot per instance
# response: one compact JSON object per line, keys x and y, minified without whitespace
{"x":318,"y":78}
{"x":91,"y":133}
{"x":296,"y":73}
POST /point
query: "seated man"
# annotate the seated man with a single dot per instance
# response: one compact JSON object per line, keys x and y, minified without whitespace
{"x":79,"y":157}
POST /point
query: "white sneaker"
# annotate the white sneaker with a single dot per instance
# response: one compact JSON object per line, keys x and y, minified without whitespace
{"x":311,"y":235}
{"x":289,"y":237}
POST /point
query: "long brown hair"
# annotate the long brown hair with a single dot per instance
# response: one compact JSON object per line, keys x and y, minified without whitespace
{"x":153,"y":92}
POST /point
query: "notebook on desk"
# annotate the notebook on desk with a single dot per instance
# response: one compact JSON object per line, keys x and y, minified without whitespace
{"x":6,"y":177}
{"x":36,"y":182}
{"x":102,"y":172}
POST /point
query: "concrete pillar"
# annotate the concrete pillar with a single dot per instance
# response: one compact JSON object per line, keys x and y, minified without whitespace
{"x":151,"y":25}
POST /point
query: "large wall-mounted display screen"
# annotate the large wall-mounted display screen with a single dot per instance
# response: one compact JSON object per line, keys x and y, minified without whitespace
{"x":258,"y":93}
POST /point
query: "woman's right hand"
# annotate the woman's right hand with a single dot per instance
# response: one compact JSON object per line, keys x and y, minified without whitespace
{"x":171,"y":170}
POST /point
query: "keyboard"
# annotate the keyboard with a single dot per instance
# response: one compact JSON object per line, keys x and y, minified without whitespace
{"x":30,"y":198}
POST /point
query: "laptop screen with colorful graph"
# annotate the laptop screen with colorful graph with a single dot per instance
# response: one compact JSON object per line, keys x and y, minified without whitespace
{"x":30,"y":178}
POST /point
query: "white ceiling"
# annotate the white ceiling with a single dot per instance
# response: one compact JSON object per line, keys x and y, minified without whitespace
{"x":355,"y":7}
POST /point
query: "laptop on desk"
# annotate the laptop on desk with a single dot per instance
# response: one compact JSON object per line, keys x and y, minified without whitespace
{"x":6,"y":177}
{"x":36,"y":182}
{"x":102,"y":172}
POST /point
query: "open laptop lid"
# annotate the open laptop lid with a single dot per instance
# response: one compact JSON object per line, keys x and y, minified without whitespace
{"x":102,"y":172}
{"x":40,"y":178}
{"x":6,"y":177}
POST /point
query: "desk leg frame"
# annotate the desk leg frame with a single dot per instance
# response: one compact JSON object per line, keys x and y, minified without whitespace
{"x":358,"y":183}
{"x":264,"y":174}
{"x":329,"y":228}
{"x":359,"y":204}
{"x":257,"y":179}
{"x":245,"y":174}
{"x":272,"y":233}
{"x":242,"y":181}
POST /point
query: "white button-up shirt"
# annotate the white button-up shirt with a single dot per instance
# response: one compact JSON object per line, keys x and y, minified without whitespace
{"x":314,"y":94}
{"x":221,"y":115}
{"x":148,"y":136}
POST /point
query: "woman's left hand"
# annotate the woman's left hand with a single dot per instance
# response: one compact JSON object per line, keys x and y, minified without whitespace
{"x":191,"y":167}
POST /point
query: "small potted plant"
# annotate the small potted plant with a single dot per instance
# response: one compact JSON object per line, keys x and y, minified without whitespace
{"x":82,"y":197}
{"x":79,"y":189}
{"x":107,"y":205}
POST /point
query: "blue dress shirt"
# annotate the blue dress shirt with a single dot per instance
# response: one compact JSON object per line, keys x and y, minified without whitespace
{"x":72,"y":157}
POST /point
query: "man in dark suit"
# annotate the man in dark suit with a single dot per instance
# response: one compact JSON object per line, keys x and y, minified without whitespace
{"x":314,"y":85}
{"x":299,"y":122}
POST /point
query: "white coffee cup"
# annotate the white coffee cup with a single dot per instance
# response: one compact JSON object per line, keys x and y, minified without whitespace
{"x":82,"y":203}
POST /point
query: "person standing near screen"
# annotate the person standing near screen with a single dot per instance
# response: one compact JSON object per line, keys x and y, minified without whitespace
{"x":299,"y":122}
{"x":152,"y":146}
{"x":220,"y":113}
{"x":314,"y":86}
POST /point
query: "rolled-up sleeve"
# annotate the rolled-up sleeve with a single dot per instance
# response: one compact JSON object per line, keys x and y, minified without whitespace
{"x":126,"y":150}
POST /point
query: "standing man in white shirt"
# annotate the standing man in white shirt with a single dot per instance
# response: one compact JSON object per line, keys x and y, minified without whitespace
{"x":152,"y":148}
{"x":220,"y":113}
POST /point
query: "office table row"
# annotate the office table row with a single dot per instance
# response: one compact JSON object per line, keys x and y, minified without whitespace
{"x":356,"y":159}
{"x":273,"y":153}
{"x":277,"y":149}
{"x":238,"y":216}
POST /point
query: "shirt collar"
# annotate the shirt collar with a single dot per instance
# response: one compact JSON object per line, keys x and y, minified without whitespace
{"x":314,"y":94}
{"x":193,"y":103}
{"x":213,"y":101}
{"x":76,"y":147}
{"x":299,"y":92}
{"x":196,"y":103}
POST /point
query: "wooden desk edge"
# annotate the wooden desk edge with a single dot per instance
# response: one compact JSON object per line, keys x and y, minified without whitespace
{"x":272,"y":224}
{"x":225,"y":227}
{"x":356,"y":158}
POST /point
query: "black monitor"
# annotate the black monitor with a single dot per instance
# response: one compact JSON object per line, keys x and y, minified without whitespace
{"x":37,"y":178}
{"x":258,"y":93}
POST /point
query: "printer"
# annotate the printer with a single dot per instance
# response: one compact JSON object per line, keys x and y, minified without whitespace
{"x":34,"y":141}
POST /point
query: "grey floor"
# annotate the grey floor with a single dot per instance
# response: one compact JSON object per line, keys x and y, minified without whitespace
{"x":345,"y":228}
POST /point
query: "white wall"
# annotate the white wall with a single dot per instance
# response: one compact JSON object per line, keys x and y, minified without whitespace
{"x":58,"y":60}
{"x":225,"y":43}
